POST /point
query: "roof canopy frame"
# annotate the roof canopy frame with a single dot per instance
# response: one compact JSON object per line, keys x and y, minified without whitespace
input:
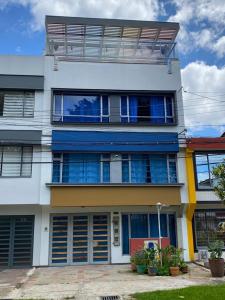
{"x":110,"y":40}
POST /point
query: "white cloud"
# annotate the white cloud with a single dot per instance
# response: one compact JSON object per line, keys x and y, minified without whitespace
{"x":127,"y":9}
{"x":219,"y":46}
{"x":202,"y":22}
{"x":209,"y":82}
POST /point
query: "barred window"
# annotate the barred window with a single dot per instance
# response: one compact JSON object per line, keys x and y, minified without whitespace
{"x":16,"y":104}
{"x":16,"y":161}
{"x":208,"y":225}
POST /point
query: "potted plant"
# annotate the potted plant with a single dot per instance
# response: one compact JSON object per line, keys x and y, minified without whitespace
{"x":140,"y":260}
{"x":163,"y":270}
{"x":216,"y":262}
{"x":133,"y":265}
{"x":183,"y":266}
{"x":153,"y":267}
{"x":174,"y":262}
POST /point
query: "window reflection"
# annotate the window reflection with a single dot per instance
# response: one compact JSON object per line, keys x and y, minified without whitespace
{"x":204,"y":167}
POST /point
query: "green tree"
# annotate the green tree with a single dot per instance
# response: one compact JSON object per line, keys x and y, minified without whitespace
{"x":219,"y":174}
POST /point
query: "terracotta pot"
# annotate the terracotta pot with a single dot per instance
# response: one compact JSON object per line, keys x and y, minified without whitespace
{"x":216,"y":267}
{"x":133,"y":267}
{"x":184,"y":270}
{"x":174,"y":271}
{"x":152,"y":271}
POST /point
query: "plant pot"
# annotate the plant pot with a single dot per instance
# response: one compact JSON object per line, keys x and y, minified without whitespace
{"x":152,"y":271}
{"x":141,"y":269}
{"x":216,"y":267}
{"x":174,"y":271}
{"x":184,"y":270}
{"x":133,"y":267}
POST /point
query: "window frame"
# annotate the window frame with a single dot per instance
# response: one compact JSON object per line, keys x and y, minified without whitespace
{"x":195,"y":154}
{"x":147,"y":122}
{"x":62,"y":115}
{"x":61,"y":159}
{"x":167,"y":213}
{"x":21,"y":161}
{"x":24,"y":91}
{"x":168,"y":159}
{"x":204,"y":211}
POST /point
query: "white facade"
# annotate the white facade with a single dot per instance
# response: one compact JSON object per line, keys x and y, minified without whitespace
{"x":31,"y":196}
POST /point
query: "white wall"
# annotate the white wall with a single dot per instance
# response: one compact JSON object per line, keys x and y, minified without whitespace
{"x":19,"y":190}
{"x":206,"y":196}
{"x":114,"y":76}
{"x":21,"y":65}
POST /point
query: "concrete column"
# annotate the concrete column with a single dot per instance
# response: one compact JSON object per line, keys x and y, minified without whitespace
{"x":115,"y":168}
{"x":114,"y":109}
{"x":182,"y":235}
{"x":45,"y":228}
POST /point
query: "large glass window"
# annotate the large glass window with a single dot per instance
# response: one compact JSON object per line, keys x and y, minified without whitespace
{"x":146,"y":226}
{"x":81,"y":168}
{"x":147,"y":109}
{"x":149,"y":168}
{"x":208,"y":227}
{"x":205,"y":162}
{"x":15,"y":161}
{"x":73,"y":108}
{"x":16,"y":104}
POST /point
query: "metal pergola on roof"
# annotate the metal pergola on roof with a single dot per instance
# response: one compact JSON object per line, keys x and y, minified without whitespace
{"x":110,"y":40}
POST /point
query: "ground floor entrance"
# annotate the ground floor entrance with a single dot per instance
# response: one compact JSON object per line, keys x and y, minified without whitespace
{"x":16,"y":241}
{"x":79,"y":239}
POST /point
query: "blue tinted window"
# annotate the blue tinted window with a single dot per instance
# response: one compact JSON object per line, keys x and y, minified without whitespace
{"x":105,"y":107}
{"x":125,"y":234}
{"x":139,"y":225}
{"x":158,"y":168}
{"x":125,"y":171}
{"x":157,"y":110}
{"x":106,"y":171}
{"x":124,"y":105}
{"x":147,"y":109}
{"x":58,"y":101}
{"x":169,"y":106}
{"x":172,"y":230}
{"x":56,"y":171}
{"x":138,"y":168}
{"x":81,"y":108}
{"x":81,"y":168}
{"x":154,"y":230}
{"x":172,"y":172}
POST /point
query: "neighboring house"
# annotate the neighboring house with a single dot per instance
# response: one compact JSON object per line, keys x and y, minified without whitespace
{"x":210,"y":212}
{"x":91,"y":141}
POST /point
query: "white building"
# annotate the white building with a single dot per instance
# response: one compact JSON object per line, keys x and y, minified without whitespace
{"x":90,"y":143}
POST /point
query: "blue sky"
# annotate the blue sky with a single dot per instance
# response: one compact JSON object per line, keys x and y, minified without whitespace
{"x":201,"y":43}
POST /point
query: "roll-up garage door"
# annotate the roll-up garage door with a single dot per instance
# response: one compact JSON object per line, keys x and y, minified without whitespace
{"x":16,"y":241}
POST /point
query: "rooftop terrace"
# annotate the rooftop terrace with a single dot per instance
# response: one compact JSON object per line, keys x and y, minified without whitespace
{"x":110,"y":40}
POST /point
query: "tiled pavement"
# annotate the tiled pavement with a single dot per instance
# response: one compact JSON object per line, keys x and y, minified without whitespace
{"x":92,"y":281}
{"x":11,"y":279}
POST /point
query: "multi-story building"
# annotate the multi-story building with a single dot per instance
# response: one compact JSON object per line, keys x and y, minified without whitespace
{"x":91,"y":141}
{"x":209,"y":212}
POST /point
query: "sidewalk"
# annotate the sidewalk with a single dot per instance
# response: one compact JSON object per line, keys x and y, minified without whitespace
{"x":93,"y":281}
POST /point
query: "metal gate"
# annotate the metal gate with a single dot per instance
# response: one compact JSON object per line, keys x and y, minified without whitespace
{"x":79,"y":239}
{"x":16,"y":241}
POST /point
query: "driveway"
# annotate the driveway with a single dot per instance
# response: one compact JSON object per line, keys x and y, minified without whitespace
{"x":93,"y":281}
{"x":11,"y":279}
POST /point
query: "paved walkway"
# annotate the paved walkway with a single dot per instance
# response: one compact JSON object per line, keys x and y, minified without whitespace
{"x":11,"y":279}
{"x":91,"y":282}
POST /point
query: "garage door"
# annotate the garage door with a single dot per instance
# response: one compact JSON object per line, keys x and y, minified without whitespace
{"x":16,"y":241}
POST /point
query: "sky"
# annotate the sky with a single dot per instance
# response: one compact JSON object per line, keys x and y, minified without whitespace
{"x":200,"y":44}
